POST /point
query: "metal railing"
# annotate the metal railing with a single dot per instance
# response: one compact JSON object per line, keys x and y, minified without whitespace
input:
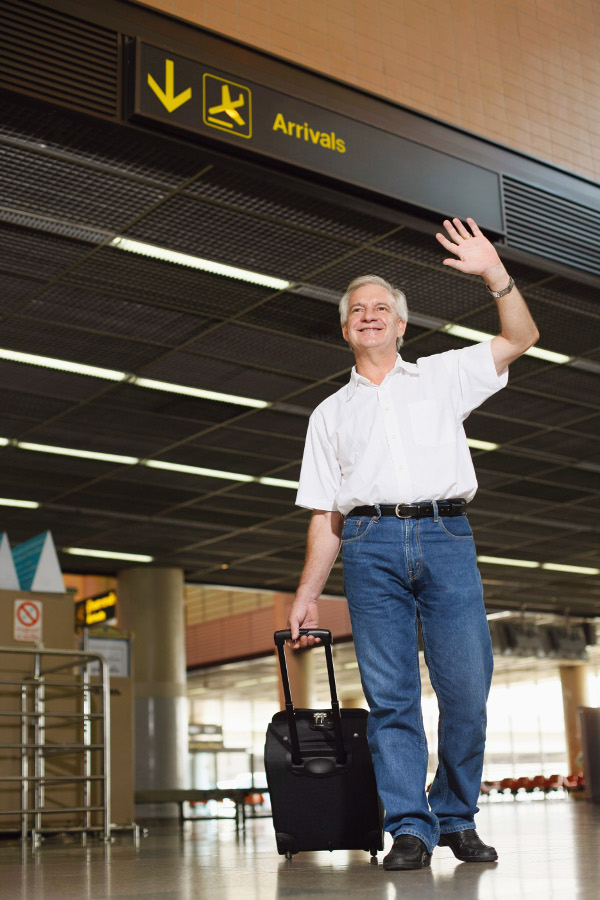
{"x":47,"y":679}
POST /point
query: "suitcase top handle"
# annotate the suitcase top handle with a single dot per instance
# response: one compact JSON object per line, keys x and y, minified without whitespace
{"x":280,"y":638}
{"x":286,"y":635}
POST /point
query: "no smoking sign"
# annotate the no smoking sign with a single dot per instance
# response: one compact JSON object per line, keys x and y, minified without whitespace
{"x":27,"y":625}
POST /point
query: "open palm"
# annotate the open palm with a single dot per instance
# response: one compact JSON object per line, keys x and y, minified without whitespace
{"x":476,"y":255}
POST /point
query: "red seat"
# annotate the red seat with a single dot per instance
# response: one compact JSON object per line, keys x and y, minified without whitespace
{"x":574,"y":782}
{"x":554,"y":783}
{"x":538,"y":783}
{"x":524,"y":784}
{"x":508,"y":784}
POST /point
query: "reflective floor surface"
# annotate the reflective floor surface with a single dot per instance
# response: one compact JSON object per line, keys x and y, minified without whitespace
{"x":547,"y":849}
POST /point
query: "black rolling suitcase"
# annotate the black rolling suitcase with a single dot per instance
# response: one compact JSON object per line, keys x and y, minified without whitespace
{"x":320,"y":773}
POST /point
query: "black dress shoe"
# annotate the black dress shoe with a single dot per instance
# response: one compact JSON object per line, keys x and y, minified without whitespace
{"x":468,"y":846}
{"x":408,"y":852}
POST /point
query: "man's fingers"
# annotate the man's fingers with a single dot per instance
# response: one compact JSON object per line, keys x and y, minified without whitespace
{"x":455,"y":263}
{"x":474,"y":227}
{"x":452,"y":231}
{"x":448,"y":245}
{"x":461,"y":229}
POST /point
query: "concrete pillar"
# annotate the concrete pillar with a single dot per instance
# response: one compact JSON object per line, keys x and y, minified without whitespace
{"x":151,"y":605}
{"x":574,"y":690}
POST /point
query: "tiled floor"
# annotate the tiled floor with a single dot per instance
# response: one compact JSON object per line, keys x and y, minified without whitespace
{"x":548,"y":849}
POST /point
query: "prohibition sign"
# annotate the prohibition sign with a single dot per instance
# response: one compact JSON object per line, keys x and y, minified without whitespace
{"x":28,"y":614}
{"x":27,"y":620}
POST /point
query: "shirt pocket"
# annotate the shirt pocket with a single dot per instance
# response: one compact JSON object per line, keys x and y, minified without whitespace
{"x":433,"y":423}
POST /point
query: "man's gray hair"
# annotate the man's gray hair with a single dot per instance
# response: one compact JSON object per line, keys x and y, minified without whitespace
{"x":397,"y":295}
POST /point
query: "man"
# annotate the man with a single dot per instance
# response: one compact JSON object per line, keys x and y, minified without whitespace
{"x":388,"y":472}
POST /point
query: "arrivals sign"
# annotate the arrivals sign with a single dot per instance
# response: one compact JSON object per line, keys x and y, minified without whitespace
{"x":95,"y":610}
{"x":183,"y":94}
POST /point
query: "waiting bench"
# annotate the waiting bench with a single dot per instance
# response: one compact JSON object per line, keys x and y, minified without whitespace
{"x":181,"y":796}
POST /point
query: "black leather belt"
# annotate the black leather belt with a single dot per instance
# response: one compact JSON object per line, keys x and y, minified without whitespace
{"x":415,"y":510}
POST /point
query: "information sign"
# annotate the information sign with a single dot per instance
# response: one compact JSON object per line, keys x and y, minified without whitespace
{"x":184,"y":94}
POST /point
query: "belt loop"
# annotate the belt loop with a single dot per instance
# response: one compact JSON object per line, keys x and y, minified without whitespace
{"x":377,"y":511}
{"x":435,"y":510}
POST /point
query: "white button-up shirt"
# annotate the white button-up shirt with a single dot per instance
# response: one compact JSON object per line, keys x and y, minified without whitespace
{"x":402,"y":441}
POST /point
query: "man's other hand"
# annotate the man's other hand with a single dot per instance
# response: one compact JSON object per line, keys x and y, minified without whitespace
{"x":303,"y":614}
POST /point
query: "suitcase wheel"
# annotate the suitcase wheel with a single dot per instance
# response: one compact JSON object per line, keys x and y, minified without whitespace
{"x":288,"y":854}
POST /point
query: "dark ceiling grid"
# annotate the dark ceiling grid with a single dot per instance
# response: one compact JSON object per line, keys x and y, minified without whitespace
{"x":13,"y":289}
{"x":103,"y":314}
{"x":218,"y":233}
{"x":287,"y":201}
{"x":56,"y":188}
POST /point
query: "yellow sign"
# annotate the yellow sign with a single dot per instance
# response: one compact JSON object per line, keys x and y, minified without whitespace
{"x":167,"y":97}
{"x":303,"y":131}
{"x":227,"y":106}
{"x":95,"y":609}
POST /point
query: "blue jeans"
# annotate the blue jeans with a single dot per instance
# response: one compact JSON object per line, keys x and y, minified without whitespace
{"x":396,"y":572}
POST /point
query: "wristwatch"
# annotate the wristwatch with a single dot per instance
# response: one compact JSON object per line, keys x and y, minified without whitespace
{"x":504,"y":291}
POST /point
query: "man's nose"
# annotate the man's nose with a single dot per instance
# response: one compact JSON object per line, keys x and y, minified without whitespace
{"x":369,"y":314}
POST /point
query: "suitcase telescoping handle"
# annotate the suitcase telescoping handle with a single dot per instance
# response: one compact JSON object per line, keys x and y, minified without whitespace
{"x":326,"y":639}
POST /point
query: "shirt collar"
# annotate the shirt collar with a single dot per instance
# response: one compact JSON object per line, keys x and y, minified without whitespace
{"x":356,"y":379}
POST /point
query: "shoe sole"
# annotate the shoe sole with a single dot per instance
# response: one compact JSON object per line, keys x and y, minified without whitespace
{"x":423,"y":864}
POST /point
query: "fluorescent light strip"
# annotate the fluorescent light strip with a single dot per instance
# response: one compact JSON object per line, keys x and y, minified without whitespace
{"x":24,"y":504}
{"x":62,"y":365}
{"x":218,"y":473}
{"x":197,"y":392}
{"x":481,"y":445}
{"x":501,"y":561}
{"x":470,"y":334}
{"x":563,"y":567}
{"x":196,"y":470}
{"x":108,"y":554}
{"x":80,"y":454}
{"x":278,"y":482}
{"x":549,"y":355}
{"x":196,"y":262}
{"x":152,"y":464}
{"x":530,"y":564}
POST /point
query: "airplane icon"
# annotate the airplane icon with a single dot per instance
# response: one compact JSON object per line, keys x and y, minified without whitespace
{"x":228,"y":106}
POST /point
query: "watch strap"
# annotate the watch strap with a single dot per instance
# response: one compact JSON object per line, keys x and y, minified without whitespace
{"x":504,"y":291}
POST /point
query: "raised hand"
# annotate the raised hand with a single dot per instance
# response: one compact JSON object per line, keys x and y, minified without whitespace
{"x":476,"y":255}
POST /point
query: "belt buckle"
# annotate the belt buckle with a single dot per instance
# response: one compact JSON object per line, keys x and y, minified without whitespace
{"x":399,"y":506}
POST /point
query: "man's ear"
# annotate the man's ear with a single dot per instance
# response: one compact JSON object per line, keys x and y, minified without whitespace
{"x":345,"y":332}
{"x":401,"y":327}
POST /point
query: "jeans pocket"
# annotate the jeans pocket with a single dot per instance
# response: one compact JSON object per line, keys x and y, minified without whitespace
{"x":456,"y":527}
{"x":356,"y":528}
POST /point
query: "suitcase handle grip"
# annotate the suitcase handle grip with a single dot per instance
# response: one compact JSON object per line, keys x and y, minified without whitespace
{"x":286,"y":635}
{"x":280,"y":638}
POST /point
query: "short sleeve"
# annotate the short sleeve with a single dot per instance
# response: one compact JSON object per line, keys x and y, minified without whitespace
{"x":477,"y":376}
{"x":320,"y":476}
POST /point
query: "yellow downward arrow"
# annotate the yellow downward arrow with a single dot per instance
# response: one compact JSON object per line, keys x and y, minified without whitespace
{"x":167,"y":97}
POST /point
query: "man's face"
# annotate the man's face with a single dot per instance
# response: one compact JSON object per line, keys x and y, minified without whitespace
{"x":372,"y":321}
